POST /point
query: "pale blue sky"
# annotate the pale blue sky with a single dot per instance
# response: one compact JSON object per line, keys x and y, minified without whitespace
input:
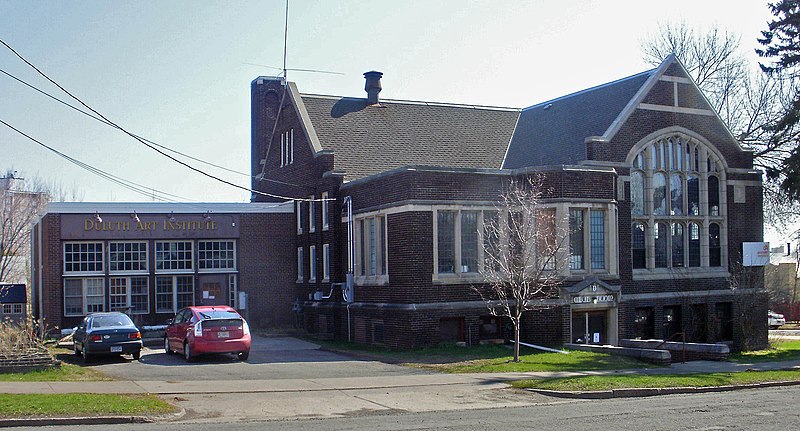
{"x":176,"y":72}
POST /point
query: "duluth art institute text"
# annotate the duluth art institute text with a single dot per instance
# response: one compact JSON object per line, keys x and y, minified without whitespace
{"x":166,"y":225}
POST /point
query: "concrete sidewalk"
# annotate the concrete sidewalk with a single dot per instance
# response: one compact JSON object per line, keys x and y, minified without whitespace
{"x":356,"y":383}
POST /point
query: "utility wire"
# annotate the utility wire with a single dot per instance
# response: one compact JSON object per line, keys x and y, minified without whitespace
{"x":94,"y":117}
{"x":130,"y":185}
{"x":116,"y":126}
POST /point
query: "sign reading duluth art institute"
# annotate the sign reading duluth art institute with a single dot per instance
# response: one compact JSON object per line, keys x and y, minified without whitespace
{"x":150,"y":226}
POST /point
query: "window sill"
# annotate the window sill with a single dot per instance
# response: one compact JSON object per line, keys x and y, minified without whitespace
{"x":299,"y":280}
{"x":459,"y":278}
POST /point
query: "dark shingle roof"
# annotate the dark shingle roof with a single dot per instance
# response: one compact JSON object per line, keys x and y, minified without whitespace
{"x":367,"y":140}
{"x":554,"y":132}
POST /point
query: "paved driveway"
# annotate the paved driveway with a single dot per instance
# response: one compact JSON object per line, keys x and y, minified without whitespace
{"x":270,"y":358}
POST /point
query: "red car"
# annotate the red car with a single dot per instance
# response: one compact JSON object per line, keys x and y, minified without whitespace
{"x":208,"y":329}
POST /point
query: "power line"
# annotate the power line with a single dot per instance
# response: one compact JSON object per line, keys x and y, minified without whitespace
{"x":120,"y":128}
{"x":130,"y":185}
{"x":96,"y":118}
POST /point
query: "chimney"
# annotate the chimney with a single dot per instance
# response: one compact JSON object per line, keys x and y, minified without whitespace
{"x":372,"y":86}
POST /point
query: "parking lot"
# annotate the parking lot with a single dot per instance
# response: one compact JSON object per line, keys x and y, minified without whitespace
{"x":270,"y":358}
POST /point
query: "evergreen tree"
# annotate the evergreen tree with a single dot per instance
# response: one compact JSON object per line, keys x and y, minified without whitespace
{"x":781,"y":45}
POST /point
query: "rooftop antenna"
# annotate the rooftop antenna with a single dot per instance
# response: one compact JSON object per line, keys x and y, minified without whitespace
{"x":285,"y":38}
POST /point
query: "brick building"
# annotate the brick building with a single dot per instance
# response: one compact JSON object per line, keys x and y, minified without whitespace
{"x":150,"y":259}
{"x":655,"y":192}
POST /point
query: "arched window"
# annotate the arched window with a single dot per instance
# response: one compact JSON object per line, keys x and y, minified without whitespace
{"x":714,"y":245}
{"x":638,"y":247}
{"x":677,"y":185}
{"x":677,"y":245}
{"x":637,"y":193}
{"x":660,"y":233}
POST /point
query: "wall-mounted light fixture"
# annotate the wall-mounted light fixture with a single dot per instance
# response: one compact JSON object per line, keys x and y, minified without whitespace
{"x":97,"y":217}
{"x":135,"y":217}
{"x":207,"y":215}
{"x":171,"y":217}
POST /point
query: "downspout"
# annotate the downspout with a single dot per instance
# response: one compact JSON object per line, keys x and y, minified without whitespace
{"x":348,"y":201}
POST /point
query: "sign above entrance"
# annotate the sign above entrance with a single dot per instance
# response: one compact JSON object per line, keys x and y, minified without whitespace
{"x":593,"y":299}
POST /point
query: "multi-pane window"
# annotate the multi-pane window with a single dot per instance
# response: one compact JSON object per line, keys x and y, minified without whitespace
{"x":17,"y":309}
{"x":667,"y":177}
{"x":216,"y":255}
{"x":127,"y":257}
{"x":83,"y":257}
{"x":83,"y":296}
{"x":469,"y":241}
{"x":129,"y":294}
{"x":371,"y":246}
{"x":598,"y":239}
{"x":576,"y":239}
{"x":446,"y":241}
{"x":298,"y":211}
{"x":174,"y":292}
{"x":638,"y":246}
{"x":174,"y":256}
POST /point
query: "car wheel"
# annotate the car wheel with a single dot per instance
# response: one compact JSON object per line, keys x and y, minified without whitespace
{"x":187,"y":352}
{"x":137,"y":355}
{"x":243,"y":355}
{"x":166,"y":346}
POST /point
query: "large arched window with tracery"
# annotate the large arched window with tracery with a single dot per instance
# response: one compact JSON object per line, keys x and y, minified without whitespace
{"x":677,"y":186}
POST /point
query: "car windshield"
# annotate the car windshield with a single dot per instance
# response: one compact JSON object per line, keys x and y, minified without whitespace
{"x":218,"y":314}
{"x":111,"y":321}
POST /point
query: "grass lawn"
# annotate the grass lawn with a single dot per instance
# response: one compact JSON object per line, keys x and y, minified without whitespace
{"x":66,"y":405}
{"x":604,"y":383}
{"x":487,"y":359}
{"x":779,"y":351}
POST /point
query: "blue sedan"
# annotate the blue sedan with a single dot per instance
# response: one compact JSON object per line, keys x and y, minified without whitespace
{"x":110,"y":333}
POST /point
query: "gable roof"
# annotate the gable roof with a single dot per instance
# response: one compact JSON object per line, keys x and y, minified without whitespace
{"x":554,"y":132}
{"x":369,"y":139}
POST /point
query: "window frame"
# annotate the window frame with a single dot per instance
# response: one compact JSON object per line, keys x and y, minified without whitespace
{"x":325,"y":211}
{"x":312,"y":264}
{"x":326,"y":262}
{"x":233,"y":258}
{"x":173,"y":293}
{"x":79,"y":253}
{"x":190,"y":260}
{"x":144,"y":265}
{"x":371,"y":248}
{"x":85,"y":308}
{"x":129,"y":295}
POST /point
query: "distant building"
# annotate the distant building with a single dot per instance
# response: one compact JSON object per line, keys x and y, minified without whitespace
{"x":782,"y":281}
{"x":13,"y":303}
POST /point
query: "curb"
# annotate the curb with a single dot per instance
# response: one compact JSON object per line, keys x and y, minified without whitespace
{"x":93,"y":420}
{"x":651,"y":392}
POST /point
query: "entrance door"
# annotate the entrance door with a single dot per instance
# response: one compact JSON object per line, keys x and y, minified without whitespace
{"x":214,"y":289}
{"x":589,"y":327}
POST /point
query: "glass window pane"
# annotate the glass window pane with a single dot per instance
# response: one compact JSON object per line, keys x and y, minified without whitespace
{"x":660,"y":233}
{"x":637,"y":193}
{"x":492,"y":251}
{"x":713,"y":195}
{"x":446,"y":241}
{"x":469,"y":241}
{"x":638,"y":247}
{"x":659,"y":194}
{"x":714,"y":245}
{"x":676,"y":194}
{"x":694,"y":245}
{"x":598,"y":239}
{"x":677,"y":245}
{"x":693,"y":194}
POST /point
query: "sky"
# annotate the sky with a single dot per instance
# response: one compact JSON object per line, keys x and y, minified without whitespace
{"x":178,"y":73}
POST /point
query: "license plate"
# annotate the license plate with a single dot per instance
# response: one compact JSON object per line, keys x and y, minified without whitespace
{"x":116,"y":348}
{"x":225,"y":334}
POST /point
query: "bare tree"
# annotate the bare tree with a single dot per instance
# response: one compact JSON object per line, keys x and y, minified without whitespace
{"x":19,"y":208}
{"x":520,"y":244}
{"x":748,"y":100}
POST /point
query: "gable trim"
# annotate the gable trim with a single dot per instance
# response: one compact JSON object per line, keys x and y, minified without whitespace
{"x":678,"y":79}
{"x":305,"y":120}
{"x":676,"y":109}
